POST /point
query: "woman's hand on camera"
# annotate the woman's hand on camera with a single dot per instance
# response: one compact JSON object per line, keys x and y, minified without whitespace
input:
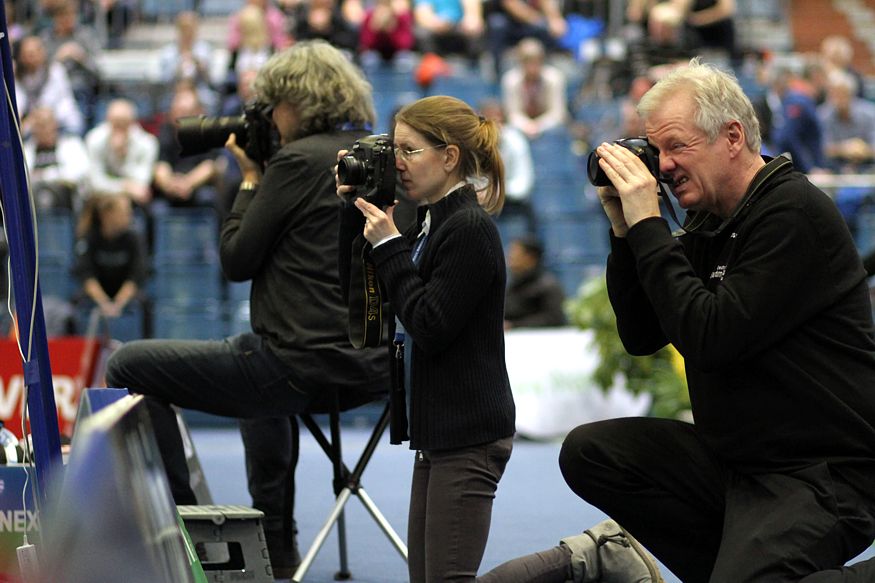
{"x":379,"y":225}
{"x":249,"y":170}
{"x":633,"y":183}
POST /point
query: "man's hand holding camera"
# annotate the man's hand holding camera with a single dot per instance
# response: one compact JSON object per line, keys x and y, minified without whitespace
{"x":634,"y":195}
{"x":249,"y":169}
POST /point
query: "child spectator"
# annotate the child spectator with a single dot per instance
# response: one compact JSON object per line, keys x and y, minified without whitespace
{"x":110,"y":262}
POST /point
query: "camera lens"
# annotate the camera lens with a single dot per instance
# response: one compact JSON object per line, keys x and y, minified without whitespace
{"x":352,"y":171}
{"x":595,"y":173}
{"x":198,"y":134}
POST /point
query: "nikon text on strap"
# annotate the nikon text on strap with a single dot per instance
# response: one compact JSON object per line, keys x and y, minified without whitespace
{"x":365,"y":298}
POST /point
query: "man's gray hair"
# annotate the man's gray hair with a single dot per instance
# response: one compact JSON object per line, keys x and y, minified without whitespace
{"x":326,"y":90}
{"x":718,"y":96}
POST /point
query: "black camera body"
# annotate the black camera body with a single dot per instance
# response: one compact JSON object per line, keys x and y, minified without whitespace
{"x":370,"y":167}
{"x":638,"y":146}
{"x":254,"y":129}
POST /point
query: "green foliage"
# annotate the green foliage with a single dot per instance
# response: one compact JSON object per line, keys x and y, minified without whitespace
{"x":660,"y":374}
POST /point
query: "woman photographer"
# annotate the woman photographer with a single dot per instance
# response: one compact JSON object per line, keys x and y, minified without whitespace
{"x":445,"y":281}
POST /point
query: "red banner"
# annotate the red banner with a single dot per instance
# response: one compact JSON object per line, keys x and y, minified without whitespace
{"x":72,"y":360}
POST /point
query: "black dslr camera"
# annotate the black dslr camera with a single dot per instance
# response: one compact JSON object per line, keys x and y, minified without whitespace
{"x":370,"y":167}
{"x":255,"y":132}
{"x":638,"y":146}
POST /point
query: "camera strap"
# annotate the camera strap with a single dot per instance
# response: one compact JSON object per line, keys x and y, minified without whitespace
{"x":365,"y":297}
{"x":698,"y":220}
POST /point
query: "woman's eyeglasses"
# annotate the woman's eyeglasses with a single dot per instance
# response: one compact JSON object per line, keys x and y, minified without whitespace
{"x":408,"y":155}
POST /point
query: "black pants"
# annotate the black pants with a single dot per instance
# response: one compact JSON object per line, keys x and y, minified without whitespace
{"x":451,"y":509}
{"x":271,"y":448}
{"x":236,"y":377}
{"x":708,"y":523}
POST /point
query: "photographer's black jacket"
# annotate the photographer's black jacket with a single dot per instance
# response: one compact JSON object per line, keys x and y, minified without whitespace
{"x":774,"y":322}
{"x":452,"y":305}
{"x":284,"y":237}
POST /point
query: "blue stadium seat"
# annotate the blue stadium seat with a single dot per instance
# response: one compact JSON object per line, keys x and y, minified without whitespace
{"x":603,"y":118}
{"x":126,"y":327}
{"x":511,"y":227}
{"x":55,"y":278}
{"x":201,"y":320}
{"x":187,"y":236}
{"x":559,"y":198}
{"x":238,"y":317}
{"x":393,"y":87}
{"x":186,"y":282}
{"x":209,"y":8}
{"x":864,"y":235}
{"x":238,"y":291}
{"x":573,"y":274}
{"x":467,"y":85}
{"x":55,"y":234}
{"x":573,"y":238}
{"x":163,"y":10}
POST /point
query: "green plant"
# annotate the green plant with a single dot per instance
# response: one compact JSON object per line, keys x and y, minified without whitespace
{"x":660,"y":374}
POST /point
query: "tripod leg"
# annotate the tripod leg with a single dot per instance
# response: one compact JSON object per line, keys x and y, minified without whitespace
{"x":382,"y":522}
{"x":323,"y":533}
{"x":343,"y":574}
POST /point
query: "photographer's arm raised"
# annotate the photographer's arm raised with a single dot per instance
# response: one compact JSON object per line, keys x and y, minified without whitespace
{"x":634,"y":196}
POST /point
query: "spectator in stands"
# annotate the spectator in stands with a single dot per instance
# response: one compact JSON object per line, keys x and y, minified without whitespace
{"x":450,"y":27}
{"x":254,"y":46}
{"x":188,"y":59}
{"x":533,"y":92}
{"x":40,"y":82}
{"x":848,"y":125}
{"x":326,"y":20}
{"x":183,"y":181}
{"x":711,"y":25}
{"x":282,"y":230}
{"x":535,"y":298}
{"x":112,"y":16}
{"x":513,"y":20}
{"x":57,"y":163}
{"x":121,"y":155}
{"x":76,"y":46}
{"x":14,"y":25}
{"x":692,"y":24}
{"x":519,"y":168}
{"x":796,"y":128}
{"x":837,"y":52}
{"x":274,"y":21}
{"x":110,"y":260}
{"x":387,"y":31}
{"x":632,"y":123}
{"x":663,"y":42}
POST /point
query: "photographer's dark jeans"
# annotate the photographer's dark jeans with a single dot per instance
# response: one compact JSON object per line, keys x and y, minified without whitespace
{"x":235,"y":377}
{"x":451,"y":509}
{"x":711,"y":524}
{"x":271,"y":447}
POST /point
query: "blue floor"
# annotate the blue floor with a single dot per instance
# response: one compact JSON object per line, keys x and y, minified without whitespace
{"x":533,"y":508}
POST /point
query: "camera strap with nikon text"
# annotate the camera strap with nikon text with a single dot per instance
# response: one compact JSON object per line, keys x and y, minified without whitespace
{"x":365,"y":297}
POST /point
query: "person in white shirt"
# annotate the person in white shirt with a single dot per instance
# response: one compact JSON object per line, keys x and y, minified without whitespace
{"x":57,"y":163}
{"x":534,"y":92}
{"x":121,"y":154}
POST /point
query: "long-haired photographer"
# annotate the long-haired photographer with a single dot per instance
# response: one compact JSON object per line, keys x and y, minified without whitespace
{"x":281,"y":234}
